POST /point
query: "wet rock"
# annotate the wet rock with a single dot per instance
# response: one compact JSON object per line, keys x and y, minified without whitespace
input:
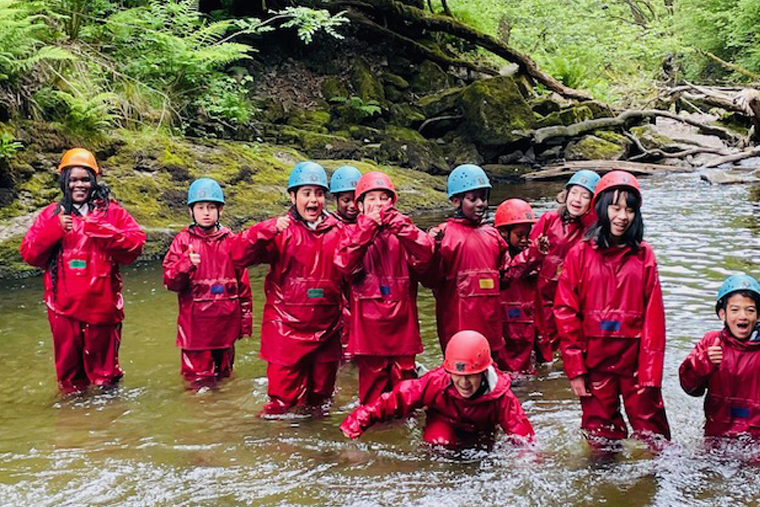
{"x":430,"y":77}
{"x":320,"y":145}
{"x":730,"y":177}
{"x":408,"y":148}
{"x":651,"y":138}
{"x":506,"y":172}
{"x":394,"y":80}
{"x":366,"y":84}
{"x":314,"y":121}
{"x":404,"y":115}
{"x":495,"y":112}
{"x":459,"y":151}
{"x":566,"y":117}
{"x":333,"y":88}
{"x":445,"y":101}
{"x":547,"y":104}
{"x":591,"y":147}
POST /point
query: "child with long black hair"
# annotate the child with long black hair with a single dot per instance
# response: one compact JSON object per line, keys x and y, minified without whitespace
{"x":80,"y":242}
{"x":611,"y":320}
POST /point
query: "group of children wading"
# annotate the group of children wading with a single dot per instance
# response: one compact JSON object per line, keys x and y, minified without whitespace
{"x":343,"y":287}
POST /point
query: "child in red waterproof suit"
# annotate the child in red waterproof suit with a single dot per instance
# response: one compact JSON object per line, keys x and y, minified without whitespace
{"x":514,"y":219}
{"x":611,"y":319}
{"x":464,"y":400}
{"x":301,"y":325}
{"x":382,"y":256}
{"x":564,"y":227}
{"x":726,"y":363}
{"x":342,"y":186}
{"x":215,"y":307}
{"x":464,"y":273}
{"x":80,"y":242}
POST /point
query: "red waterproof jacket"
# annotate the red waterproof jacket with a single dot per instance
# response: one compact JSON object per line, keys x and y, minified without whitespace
{"x":215,"y":307}
{"x":302,"y":313}
{"x":609,"y":312}
{"x":87,"y":283}
{"x":464,"y":276}
{"x":563,"y":235}
{"x":732,"y":404}
{"x":518,"y":295}
{"x":435,"y":392}
{"x":382,"y":264}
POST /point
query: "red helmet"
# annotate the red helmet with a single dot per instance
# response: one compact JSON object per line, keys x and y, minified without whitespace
{"x":616,"y":179}
{"x":374,"y":180}
{"x":467,"y":353}
{"x":79,"y":157}
{"x":514,"y":211}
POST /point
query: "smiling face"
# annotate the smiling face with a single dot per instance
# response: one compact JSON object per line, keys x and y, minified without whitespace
{"x":206,"y":214}
{"x":740,"y":315}
{"x":474,"y":204}
{"x":374,"y":199}
{"x":578,"y":201}
{"x":346,"y":207}
{"x":80,"y":184}
{"x":467,"y":385}
{"x":309,"y":201}
{"x":620,"y":214}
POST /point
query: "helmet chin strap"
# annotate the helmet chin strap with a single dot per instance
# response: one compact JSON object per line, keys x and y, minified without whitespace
{"x":203,"y":227}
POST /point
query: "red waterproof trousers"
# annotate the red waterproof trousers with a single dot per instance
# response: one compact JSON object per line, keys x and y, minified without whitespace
{"x":85,"y":353}
{"x":309,"y":382}
{"x":379,"y":374}
{"x":209,"y":364}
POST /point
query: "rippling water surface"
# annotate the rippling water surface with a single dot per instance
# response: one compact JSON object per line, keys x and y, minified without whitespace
{"x":151,"y":442}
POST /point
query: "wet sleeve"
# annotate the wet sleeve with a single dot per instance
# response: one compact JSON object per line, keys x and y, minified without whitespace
{"x":246,"y":301}
{"x":255,"y":245}
{"x":397,"y":404}
{"x":652,"y":344}
{"x":117,"y":233}
{"x":568,"y":315}
{"x":419,"y":245}
{"x":513,"y":420}
{"x":521,"y":265}
{"x":355,"y":239}
{"x":539,"y":228}
{"x":435,"y":273}
{"x":696,"y":369}
{"x":42,"y":238}
{"x":177,"y":266}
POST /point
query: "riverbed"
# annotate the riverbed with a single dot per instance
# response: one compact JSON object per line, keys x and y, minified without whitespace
{"x":152,"y":442}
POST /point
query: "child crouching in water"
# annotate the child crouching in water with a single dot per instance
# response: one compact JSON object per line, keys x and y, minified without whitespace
{"x":215,"y":307}
{"x":464,"y":400}
{"x":725,"y":364}
{"x":300,"y":328}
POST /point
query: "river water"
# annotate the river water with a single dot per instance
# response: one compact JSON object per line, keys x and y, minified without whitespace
{"x":151,"y":442}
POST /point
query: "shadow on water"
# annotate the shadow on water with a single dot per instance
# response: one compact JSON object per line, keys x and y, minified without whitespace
{"x":152,"y":442}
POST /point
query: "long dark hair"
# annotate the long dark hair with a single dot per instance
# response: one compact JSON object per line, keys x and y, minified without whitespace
{"x":99,"y":198}
{"x":600,"y":231}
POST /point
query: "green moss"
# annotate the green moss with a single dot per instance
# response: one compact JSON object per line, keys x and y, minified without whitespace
{"x":366,"y":84}
{"x":459,"y":151}
{"x":594,"y":148}
{"x":404,"y":115}
{"x":394,"y":80}
{"x":437,"y":103}
{"x":407,"y":147}
{"x":650,"y":138}
{"x":569,"y":116}
{"x":314,"y":120}
{"x":11,"y":263}
{"x":333,"y":88}
{"x":495,"y":111}
{"x":430,"y":77}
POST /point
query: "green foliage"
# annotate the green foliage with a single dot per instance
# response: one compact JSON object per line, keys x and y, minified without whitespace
{"x":23,"y":40}
{"x":8,"y":146}
{"x":358,"y":108}
{"x":309,"y":21}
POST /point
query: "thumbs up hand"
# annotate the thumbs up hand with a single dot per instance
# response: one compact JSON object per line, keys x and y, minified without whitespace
{"x":195,"y":258}
{"x":715,"y":352}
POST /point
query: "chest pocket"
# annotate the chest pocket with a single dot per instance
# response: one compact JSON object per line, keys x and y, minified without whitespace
{"x":381,"y":289}
{"x":478,"y":283}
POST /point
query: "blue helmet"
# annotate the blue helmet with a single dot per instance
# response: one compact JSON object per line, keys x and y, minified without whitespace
{"x":344,"y":179}
{"x":736,"y":283}
{"x":307,"y":173}
{"x":584,"y":178}
{"x":467,"y":177}
{"x":204,"y":189}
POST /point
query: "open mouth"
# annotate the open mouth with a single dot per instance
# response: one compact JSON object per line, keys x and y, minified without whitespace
{"x":742,"y":326}
{"x":312,"y":210}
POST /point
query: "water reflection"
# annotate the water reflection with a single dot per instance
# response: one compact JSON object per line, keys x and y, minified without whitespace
{"x":152,"y":442}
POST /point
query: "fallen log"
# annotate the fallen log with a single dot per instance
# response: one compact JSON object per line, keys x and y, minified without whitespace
{"x":659,"y":153}
{"x":729,"y":177}
{"x":561,"y":171}
{"x":542,"y":135}
{"x":736,"y":157}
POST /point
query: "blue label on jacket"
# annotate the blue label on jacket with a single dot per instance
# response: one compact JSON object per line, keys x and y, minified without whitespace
{"x":739,"y":413}
{"x":513,"y":313}
{"x":217,"y":289}
{"x":385,"y":290}
{"x":610,"y":325}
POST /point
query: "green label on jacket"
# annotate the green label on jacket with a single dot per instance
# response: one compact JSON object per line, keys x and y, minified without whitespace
{"x":77,"y":264}
{"x":316,"y":293}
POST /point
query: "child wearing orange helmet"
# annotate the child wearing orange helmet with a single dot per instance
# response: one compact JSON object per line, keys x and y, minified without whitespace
{"x":382,"y":256}
{"x":80,"y":241}
{"x":514,"y":219}
{"x":464,"y":400}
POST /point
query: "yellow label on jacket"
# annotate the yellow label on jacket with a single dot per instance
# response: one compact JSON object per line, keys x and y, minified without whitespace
{"x":486,"y":283}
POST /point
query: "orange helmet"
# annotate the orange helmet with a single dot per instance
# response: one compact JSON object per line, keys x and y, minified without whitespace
{"x":616,"y":179}
{"x":513,"y":212}
{"x":467,"y":353}
{"x":79,"y":157}
{"x":374,"y":180}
